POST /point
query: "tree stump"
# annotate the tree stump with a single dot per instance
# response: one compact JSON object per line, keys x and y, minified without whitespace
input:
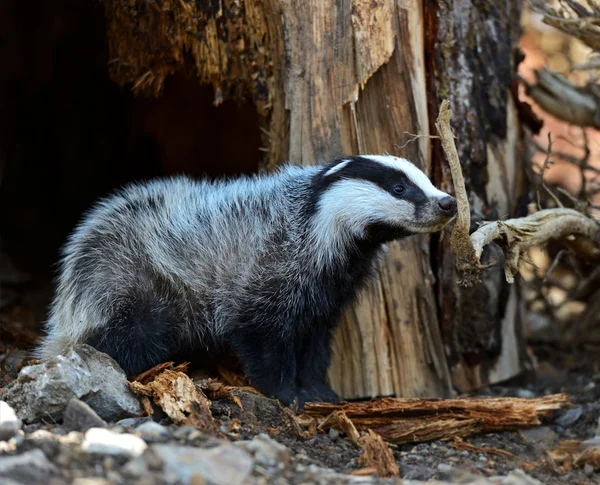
{"x":332,"y":78}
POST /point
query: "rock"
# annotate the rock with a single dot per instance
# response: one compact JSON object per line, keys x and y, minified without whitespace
{"x":588,"y":469}
{"x":334,"y":434}
{"x":266,"y":450}
{"x":130,"y":423}
{"x":136,"y":467}
{"x":519,"y":477}
{"x":99,"y":440}
{"x":542,"y":437}
{"x":443,"y":468}
{"x":525,"y":393}
{"x":29,"y":467}
{"x":9,"y":422}
{"x":226,"y":464}
{"x":92,"y":481}
{"x":569,"y":417}
{"x":152,"y":432}
{"x":42,"y":391}
{"x":80,"y":417}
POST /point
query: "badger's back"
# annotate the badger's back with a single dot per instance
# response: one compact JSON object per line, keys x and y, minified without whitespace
{"x":185,"y":254}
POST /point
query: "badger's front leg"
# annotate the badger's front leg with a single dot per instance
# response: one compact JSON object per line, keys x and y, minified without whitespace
{"x":313,"y":356}
{"x":269,"y":361}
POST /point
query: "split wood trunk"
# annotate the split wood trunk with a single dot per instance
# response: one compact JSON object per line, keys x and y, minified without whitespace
{"x":332,"y":78}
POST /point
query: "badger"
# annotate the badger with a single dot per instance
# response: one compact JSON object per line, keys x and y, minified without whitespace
{"x":261,"y":265}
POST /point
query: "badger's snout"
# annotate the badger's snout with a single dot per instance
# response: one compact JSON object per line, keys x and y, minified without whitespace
{"x":447,"y":206}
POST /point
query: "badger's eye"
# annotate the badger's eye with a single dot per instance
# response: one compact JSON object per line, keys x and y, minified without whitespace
{"x":398,"y":188}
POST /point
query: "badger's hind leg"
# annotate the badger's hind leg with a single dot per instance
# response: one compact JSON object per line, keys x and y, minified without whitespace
{"x":138,"y":337}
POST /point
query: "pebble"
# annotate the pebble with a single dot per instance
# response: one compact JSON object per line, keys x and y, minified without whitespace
{"x":541,"y":437}
{"x":267,"y":450}
{"x":29,"y":467}
{"x":136,"y":467}
{"x":129,"y":423}
{"x":99,"y":440}
{"x":334,"y":434}
{"x":443,"y":468}
{"x":9,"y":422}
{"x":525,"y":393}
{"x":80,"y":417}
{"x":570,"y":416}
{"x":226,"y":464}
{"x":588,"y":469}
{"x":151,"y":432}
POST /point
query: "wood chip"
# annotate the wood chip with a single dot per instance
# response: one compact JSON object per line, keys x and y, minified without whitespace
{"x":377,"y":454}
{"x":177,"y":395}
{"x":340,"y":421}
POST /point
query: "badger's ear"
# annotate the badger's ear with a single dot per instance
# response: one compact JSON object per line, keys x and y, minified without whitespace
{"x":337,"y":166}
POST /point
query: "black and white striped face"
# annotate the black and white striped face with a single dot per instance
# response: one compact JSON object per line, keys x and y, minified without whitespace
{"x":388,"y":193}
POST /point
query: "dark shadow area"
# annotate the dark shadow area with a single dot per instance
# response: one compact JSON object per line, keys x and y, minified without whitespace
{"x":69,"y":135}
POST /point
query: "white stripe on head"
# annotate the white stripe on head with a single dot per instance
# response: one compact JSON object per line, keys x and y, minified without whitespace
{"x":337,"y":167}
{"x":345,"y":210}
{"x":412,"y":172}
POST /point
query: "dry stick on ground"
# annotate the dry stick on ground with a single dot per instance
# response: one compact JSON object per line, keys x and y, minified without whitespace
{"x":416,"y":420}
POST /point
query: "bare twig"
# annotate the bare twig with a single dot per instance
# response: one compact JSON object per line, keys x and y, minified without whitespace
{"x":459,"y":240}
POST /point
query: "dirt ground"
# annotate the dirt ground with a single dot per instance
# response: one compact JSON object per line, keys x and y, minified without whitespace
{"x":576,"y":372}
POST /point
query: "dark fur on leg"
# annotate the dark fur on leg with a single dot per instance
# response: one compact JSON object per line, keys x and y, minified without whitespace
{"x":313,"y":356}
{"x":269,"y":363}
{"x":137,"y":338}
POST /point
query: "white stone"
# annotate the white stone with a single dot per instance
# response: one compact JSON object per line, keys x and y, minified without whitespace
{"x":267,"y":450}
{"x":100,"y":440}
{"x":223,"y":465}
{"x":9,"y":422}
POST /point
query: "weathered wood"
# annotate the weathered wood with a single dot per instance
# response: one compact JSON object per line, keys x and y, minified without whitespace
{"x":471,"y":59}
{"x":337,"y":77}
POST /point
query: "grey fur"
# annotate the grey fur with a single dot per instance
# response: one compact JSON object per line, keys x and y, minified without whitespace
{"x":214,"y":244}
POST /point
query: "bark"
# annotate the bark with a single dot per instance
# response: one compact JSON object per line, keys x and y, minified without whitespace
{"x":472,"y":48}
{"x":338,"y":77}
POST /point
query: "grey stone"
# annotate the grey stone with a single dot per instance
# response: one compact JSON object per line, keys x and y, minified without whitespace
{"x":266,"y":450}
{"x":226,"y":464}
{"x":136,"y":468}
{"x":42,"y":391}
{"x":569,"y":417}
{"x":104,"y":441}
{"x":152,"y":432}
{"x":9,"y":422}
{"x":542,"y":437}
{"x":29,"y":467}
{"x":130,"y":423}
{"x":525,"y":393}
{"x":80,"y":417}
{"x":334,"y":434}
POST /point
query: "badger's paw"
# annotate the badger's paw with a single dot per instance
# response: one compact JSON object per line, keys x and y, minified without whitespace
{"x":318,"y":392}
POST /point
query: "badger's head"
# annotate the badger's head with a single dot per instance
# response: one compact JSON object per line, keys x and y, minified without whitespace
{"x":378,"y":198}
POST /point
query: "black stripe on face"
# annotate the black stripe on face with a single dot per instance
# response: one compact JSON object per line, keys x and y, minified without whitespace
{"x":360,"y":168}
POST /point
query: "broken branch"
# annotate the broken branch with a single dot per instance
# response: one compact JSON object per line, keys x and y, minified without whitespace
{"x":459,"y":240}
{"x":416,"y":420}
{"x":518,"y":235}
